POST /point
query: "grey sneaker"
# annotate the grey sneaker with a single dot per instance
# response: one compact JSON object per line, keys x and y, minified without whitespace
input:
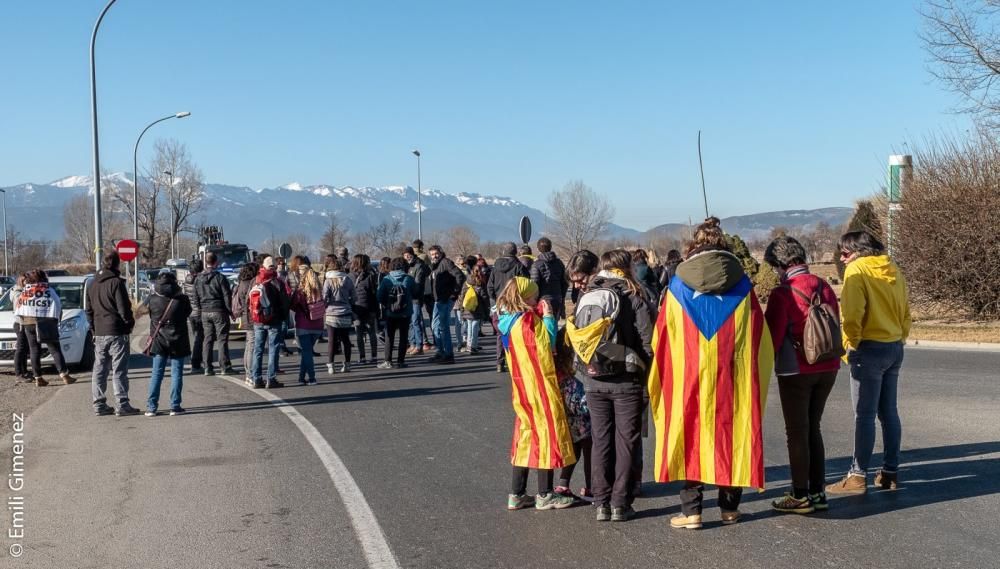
{"x":150,"y":412}
{"x":603,"y":513}
{"x":552,"y":501}
{"x":124,"y":410}
{"x":384,"y":365}
{"x":622,"y":514}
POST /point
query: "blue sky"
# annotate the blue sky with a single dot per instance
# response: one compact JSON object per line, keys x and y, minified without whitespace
{"x":799,"y":102}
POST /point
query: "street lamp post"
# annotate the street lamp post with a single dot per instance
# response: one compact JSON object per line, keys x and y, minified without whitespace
{"x":170,"y":194}
{"x":98,"y":237}
{"x":420,"y":209}
{"x":135,"y":186}
{"x":6,"y":264}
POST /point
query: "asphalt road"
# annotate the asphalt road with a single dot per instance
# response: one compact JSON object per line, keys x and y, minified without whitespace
{"x":236,"y":484}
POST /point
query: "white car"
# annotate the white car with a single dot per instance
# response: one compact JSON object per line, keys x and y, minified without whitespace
{"x":74,"y":334}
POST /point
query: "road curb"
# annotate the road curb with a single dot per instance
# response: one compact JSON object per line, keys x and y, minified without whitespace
{"x":936,"y":344}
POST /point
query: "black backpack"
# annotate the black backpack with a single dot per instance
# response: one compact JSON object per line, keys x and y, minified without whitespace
{"x":397,"y":298}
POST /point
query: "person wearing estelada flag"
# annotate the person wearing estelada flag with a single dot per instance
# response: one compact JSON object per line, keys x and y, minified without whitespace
{"x":542,"y":440}
{"x":713,"y":357}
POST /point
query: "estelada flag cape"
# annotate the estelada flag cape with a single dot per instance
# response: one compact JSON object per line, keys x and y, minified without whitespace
{"x":541,"y":432}
{"x":712,"y":362}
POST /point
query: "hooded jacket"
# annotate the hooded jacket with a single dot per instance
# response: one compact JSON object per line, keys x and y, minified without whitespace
{"x":171,"y":338}
{"x":394,"y":279}
{"x":276,"y":293}
{"x":873,"y":302}
{"x":365,"y":288}
{"x":339,"y":298}
{"x":504,"y":269}
{"x":420,"y":273}
{"x":549,"y":273}
{"x":109,"y":309}
{"x":188,"y":289}
{"x":446,"y":280}
{"x":212,"y":293}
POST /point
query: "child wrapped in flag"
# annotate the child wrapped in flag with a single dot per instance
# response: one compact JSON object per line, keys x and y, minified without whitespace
{"x":542,"y":440}
{"x":713,"y":359}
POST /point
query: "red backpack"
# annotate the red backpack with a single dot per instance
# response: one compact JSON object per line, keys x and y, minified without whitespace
{"x":259,"y":303}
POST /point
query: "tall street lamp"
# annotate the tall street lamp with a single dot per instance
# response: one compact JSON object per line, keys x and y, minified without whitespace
{"x":170,"y":193}
{"x":6,"y":264}
{"x":98,"y":237}
{"x":135,"y":186}
{"x":420,"y":210}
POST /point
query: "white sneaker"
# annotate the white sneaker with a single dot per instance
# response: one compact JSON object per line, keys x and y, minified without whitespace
{"x":345,"y":367}
{"x":329,"y":369}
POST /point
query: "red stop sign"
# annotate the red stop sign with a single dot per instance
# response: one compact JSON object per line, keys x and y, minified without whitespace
{"x":128,"y":250}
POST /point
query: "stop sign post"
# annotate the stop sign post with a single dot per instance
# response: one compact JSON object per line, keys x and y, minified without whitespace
{"x":127,"y":249}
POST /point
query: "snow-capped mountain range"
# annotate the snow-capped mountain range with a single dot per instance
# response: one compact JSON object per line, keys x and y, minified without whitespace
{"x":252,"y":215}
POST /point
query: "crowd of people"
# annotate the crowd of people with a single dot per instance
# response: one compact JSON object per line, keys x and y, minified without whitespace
{"x":589,"y":345}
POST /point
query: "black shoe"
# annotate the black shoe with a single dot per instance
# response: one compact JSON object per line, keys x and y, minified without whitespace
{"x":209,"y":371}
{"x":28,"y":378}
{"x":603,"y":513}
{"x":287,"y":352}
{"x":435,"y":358}
{"x":402,"y":365}
{"x":446,"y":360}
{"x":258,"y":385}
{"x":274,"y":385}
{"x":177,"y":411}
{"x":622,"y":514}
{"x":229,"y":370}
{"x":196,"y":371}
{"x":104,"y":411}
{"x":124,"y":410}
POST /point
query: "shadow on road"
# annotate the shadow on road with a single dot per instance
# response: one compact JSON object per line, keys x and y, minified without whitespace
{"x":927,"y":476}
{"x":343,"y":398}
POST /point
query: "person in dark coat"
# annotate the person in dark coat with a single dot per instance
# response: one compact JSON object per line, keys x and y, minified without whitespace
{"x":506,"y":267}
{"x":109,"y":312}
{"x":549,"y":273}
{"x":195,"y":327}
{"x":420,"y":272}
{"x":670,"y":268}
{"x":169,"y":309}
{"x":645,"y":276}
{"x":366,"y":281}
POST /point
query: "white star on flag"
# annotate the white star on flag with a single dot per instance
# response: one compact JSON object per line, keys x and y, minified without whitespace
{"x":699,"y":293}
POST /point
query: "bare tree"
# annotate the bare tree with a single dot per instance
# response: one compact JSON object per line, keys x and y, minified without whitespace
{"x":963,"y":39}
{"x":184,"y":199}
{"x":462,"y":241}
{"x":78,"y":227}
{"x":385,"y":238}
{"x":336,"y":235}
{"x":580,"y":217}
{"x":362,"y":242}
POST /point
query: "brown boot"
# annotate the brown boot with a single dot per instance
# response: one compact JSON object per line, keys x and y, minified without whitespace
{"x":886,"y":480}
{"x":67,"y":378}
{"x":40,"y":382}
{"x":849,"y":484}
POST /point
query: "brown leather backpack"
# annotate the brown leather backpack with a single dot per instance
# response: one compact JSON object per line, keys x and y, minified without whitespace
{"x":821,"y":339}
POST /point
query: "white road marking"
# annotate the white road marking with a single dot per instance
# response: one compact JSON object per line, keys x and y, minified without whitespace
{"x":366,"y":527}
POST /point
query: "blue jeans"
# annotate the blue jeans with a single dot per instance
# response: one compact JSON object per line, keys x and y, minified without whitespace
{"x":441,"y":324}
{"x":874,"y":377}
{"x":472,"y":333}
{"x":417,"y":326}
{"x":307,"y":367}
{"x":271,"y":335}
{"x":156,"y":379}
{"x":459,"y":327}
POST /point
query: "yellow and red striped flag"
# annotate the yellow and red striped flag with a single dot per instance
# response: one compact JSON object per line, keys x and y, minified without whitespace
{"x":541,"y":432}
{"x":713,"y":358}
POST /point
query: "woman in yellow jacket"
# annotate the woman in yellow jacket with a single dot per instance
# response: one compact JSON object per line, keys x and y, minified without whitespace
{"x":875,"y":315}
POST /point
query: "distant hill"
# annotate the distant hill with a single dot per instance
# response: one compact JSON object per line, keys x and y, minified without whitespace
{"x":759,"y":225}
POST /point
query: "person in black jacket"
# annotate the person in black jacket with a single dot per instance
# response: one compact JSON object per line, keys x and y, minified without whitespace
{"x":197,"y":331}
{"x":446,"y":284}
{"x":213,"y":299}
{"x":420,"y":272}
{"x":506,"y":267}
{"x":169,"y":310}
{"x":365,"y":307}
{"x":549,"y":273}
{"x":616,"y":403}
{"x":109,"y":312}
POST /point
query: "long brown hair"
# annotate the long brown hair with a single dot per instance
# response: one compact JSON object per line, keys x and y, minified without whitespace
{"x":620,"y":260}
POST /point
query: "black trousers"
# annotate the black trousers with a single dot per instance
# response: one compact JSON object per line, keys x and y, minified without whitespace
{"x":584,"y":453}
{"x":216,"y":326}
{"x":519,"y":481}
{"x":340,"y":343}
{"x":693,"y":495}
{"x":20,"y":351}
{"x":396,"y":327}
{"x":198,"y":339}
{"x":35,"y":349}
{"x":615,"y":420}
{"x":803,"y":398}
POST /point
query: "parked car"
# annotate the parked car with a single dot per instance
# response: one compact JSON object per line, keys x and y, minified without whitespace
{"x":74,"y":329}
